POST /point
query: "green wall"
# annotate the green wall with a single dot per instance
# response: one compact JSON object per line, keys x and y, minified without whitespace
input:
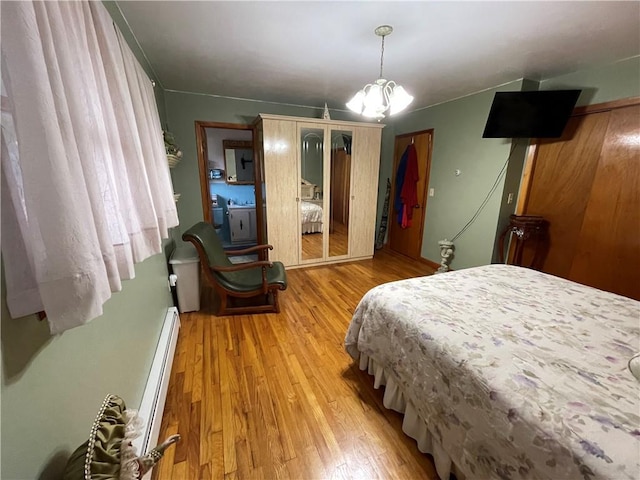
{"x":386,"y":167}
{"x":52,"y":387}
{"x":601,"y":84}
{"x":184,"y":109}
{"x":458,"y":144}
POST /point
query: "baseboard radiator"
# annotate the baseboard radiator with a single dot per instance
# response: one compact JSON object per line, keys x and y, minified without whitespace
{"x":155,"y":392}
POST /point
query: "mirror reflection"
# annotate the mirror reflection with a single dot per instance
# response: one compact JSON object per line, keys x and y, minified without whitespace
{"x":238,"y":161}
{"x":339,"y":200}
{"x":311,"y":192}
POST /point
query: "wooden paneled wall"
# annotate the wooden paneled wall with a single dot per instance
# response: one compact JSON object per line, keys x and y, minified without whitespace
{"x":587,"y":185}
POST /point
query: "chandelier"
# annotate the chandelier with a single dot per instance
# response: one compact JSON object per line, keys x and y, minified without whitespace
{"x":376,"y":98}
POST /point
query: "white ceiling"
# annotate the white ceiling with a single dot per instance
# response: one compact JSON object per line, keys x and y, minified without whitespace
{"x":308,"y":53}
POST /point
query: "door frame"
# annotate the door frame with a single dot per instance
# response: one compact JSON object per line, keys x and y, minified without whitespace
{"x":427,"y":173}
{"x":203,"y":167}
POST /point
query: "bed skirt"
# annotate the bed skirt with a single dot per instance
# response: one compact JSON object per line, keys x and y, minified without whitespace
{"x":313,"y":227}
{"x":412,"y":425}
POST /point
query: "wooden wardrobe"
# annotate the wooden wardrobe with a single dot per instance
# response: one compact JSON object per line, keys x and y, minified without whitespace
{"x":587,"y":185}
{"x":341,"y":160}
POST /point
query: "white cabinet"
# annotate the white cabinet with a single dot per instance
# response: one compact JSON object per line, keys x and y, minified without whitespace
{"x":337,"y":161}
{"x":242,"y":224}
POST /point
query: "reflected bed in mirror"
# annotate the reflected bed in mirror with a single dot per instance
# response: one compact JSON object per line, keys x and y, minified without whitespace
{"x":311,"y":216}
{"x":311,"y":192}
{"x":238,"y":161}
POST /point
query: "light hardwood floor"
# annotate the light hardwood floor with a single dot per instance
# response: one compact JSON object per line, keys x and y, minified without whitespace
{"x":276,"y":395}
{"x":338,"y":243}
{"x":311,"y":244}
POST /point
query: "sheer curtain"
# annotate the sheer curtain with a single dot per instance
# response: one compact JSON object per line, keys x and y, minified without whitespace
{"x":86,"y":189}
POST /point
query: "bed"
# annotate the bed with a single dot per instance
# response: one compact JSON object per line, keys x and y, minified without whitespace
{"x":506,"y":372}
{"x":311,"y":215}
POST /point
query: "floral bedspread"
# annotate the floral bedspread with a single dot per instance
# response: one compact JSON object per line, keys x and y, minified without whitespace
{"x":311,"y":212}
{"x":518,"y":374}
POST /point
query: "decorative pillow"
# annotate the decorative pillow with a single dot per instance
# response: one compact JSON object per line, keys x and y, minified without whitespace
{"x":634,"y":365}
{"x":100,"y":457}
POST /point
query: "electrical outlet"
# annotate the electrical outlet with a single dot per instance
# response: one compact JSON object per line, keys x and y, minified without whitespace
{"x":432,"y":192}
{"x":510,"y":199}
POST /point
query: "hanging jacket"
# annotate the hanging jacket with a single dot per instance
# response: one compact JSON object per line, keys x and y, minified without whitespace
{"x":397,"y":198}
{"x":409,"y":192}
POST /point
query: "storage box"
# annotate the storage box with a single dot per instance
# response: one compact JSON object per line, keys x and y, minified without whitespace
{"x":186,"y":266}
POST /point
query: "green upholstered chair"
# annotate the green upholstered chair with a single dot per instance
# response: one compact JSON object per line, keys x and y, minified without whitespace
{"x":244,"y":287}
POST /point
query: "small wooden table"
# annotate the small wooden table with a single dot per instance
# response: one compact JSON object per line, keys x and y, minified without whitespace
{"x":526,"y":228}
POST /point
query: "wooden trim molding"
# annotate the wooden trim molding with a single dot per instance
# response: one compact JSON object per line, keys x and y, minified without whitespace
{"x":201,"y":149}
{"x":230,"y":126}
{"x":527,"y":176}
{"x":603,"y":107}
{"x":425,"y":261}
{"x":431,"y":263}
{"x":413,"y":134}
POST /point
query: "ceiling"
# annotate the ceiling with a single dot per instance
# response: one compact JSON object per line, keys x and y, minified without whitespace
{"x":309,"y":53}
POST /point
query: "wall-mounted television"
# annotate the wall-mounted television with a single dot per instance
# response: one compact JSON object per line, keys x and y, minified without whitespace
{"x":534,"y":114}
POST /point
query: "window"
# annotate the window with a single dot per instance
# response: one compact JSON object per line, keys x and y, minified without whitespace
{"x":86,"y":189}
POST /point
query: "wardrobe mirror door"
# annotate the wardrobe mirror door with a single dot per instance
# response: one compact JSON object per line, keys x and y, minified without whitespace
{"x":311,"y":192}
{"x":339,"y":198}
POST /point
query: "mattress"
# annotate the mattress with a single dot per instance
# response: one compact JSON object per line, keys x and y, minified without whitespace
{"x":310,"y":212}
{"x":507,"y":372}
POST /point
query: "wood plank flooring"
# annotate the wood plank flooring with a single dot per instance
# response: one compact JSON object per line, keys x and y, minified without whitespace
{"x":338,"y":243}
{"x":311,"y":245}
{"x":276,"y":396}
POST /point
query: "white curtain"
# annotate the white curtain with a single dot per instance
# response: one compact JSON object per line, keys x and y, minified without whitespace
{"x":86,"y":189}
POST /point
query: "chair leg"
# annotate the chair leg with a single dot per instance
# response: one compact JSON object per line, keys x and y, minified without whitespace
{"x":276,"y":305}
{"x":223,"y":303}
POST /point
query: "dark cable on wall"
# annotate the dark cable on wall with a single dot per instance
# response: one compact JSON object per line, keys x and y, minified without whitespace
{"x":486,"y":199}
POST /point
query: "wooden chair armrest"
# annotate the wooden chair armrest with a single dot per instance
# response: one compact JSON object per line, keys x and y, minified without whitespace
{"x":248,"y":250}
{"x":242,"y":266}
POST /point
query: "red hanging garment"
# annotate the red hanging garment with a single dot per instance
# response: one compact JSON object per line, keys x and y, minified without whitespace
{"x":406,"y":221}
{"x":409,"y":193}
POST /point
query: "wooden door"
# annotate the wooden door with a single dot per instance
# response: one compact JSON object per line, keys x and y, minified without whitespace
{"x":365,"y":165}
{"x":561,"y":185}
{"x":408,"y":241}
{"x":608,"y":251}
{"x":587,"y":185}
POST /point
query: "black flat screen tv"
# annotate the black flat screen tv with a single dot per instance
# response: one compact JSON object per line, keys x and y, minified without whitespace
{"x":534,"y":114}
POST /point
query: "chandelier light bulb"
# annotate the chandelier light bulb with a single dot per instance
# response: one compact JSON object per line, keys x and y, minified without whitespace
{"x":357,"y":102}
{"x":399,"y":100}
{"x":376,"y":98}
{"x":373,"y":98}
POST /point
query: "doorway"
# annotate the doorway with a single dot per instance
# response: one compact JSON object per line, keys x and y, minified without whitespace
{"x":227,"y":172}
{"x":407,"y":240}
